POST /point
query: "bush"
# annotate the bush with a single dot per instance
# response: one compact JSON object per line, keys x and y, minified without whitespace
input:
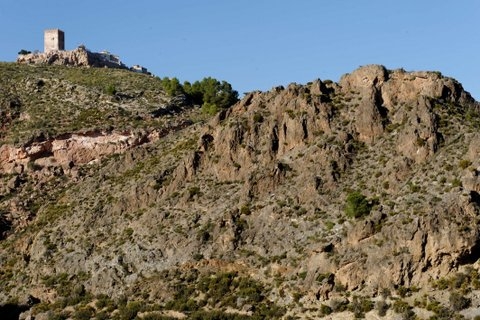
{"x":403,"y":308}
{"x":382,"y":307}
{"x":403,"y":291}
{"x":360,"y":305}
{"x":103,"y":301}
{"x":463,"y":164}
{"x":84,"y":313}
{"x":210,"y":108}
{"x":130,"y":310}
{"x":458,"y":301}
{"x":357,"y":205}
{"x":102,"y":315}
{"x":258,"y":118}
{"x":325,"y":310}
{"x":110,"y":89}
{"x":193,"y":191}
{"x":23,"y":51}
{"x":400,"y":306}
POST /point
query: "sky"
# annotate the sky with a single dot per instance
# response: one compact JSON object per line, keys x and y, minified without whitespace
{"x":259,"y":44}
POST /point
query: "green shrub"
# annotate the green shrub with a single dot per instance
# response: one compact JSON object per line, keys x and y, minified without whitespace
{"x":357,"y":205}
{"x":403,"y":291}
{"x":210,"y":108}
{"x":401,"y":307}
{"x":302,"y":275}
{"x":329,"y":225}
{"x":456,"y":183}
{"x":217,"y":315}
{"x":193,"y":191}
{"x":102,"y":301}
{"x":84,"y":314}
{"x":110,"y":89}
{"x":463,"y":164}
{"x":360,"y":305}
{"x":325,"y":310}
{"x":458,"y":301}
{"x":258,"y":118}
{"x":102,"y":315}
{"x":130,"y":310}
{"x":382,"y":307}
{"x":245,"y":210}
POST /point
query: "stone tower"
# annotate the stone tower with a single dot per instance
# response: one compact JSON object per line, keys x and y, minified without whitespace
{"x":54,"y":39}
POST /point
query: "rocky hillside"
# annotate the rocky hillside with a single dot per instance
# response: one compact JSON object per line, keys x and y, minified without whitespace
{"x":340,"y":200}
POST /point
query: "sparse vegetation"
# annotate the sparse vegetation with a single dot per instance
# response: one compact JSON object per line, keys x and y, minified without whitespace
{"x":291,"y":202}
{"x":357,"y":205}
{"x":458,"y":301}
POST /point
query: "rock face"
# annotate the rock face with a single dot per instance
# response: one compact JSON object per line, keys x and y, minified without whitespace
{"x":70,"y":150}
{"x":260,"y":189}
{"x":316,"y":132}
{"x":79,"y":57}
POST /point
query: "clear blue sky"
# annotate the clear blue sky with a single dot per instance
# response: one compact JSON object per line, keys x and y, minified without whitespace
{"x":258,"y":44}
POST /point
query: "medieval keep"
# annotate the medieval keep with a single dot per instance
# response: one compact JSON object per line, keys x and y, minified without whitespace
{"x":54,"y":40}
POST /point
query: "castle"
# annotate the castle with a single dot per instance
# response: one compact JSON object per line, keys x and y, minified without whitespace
{"x":55,"y":53}
{"x":54,"y":40}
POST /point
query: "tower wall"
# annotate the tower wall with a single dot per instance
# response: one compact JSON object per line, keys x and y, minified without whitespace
{"x":54,"y":39}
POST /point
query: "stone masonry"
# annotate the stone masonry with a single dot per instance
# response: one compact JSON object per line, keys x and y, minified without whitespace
{"x":54,"y":40}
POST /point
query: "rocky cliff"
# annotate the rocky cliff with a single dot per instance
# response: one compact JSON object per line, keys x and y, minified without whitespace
{"x":300,"y":201}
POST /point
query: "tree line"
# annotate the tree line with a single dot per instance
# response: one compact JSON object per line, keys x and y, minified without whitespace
{"x":212,"y":94}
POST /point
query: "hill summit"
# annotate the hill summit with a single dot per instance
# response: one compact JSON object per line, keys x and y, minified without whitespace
{"x":79,"y":57}
{"x":343,"y":200}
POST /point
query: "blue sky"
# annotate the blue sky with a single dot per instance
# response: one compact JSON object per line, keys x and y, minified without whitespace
{"x":256,"y":45}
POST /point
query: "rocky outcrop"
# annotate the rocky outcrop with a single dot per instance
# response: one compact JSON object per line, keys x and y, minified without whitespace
{"x":266,"y":130}
{"x":79,"y":57}
{"x":311,"y":138}
{"x":70,"y":150}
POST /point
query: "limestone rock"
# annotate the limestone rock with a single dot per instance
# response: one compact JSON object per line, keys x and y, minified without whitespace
{"x":79,"y":57}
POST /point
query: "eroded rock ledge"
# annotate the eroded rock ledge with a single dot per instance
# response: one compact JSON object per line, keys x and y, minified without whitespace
{"x":71,"y":149}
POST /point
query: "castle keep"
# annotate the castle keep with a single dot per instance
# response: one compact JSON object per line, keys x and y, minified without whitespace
{"x":54,"y":40}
